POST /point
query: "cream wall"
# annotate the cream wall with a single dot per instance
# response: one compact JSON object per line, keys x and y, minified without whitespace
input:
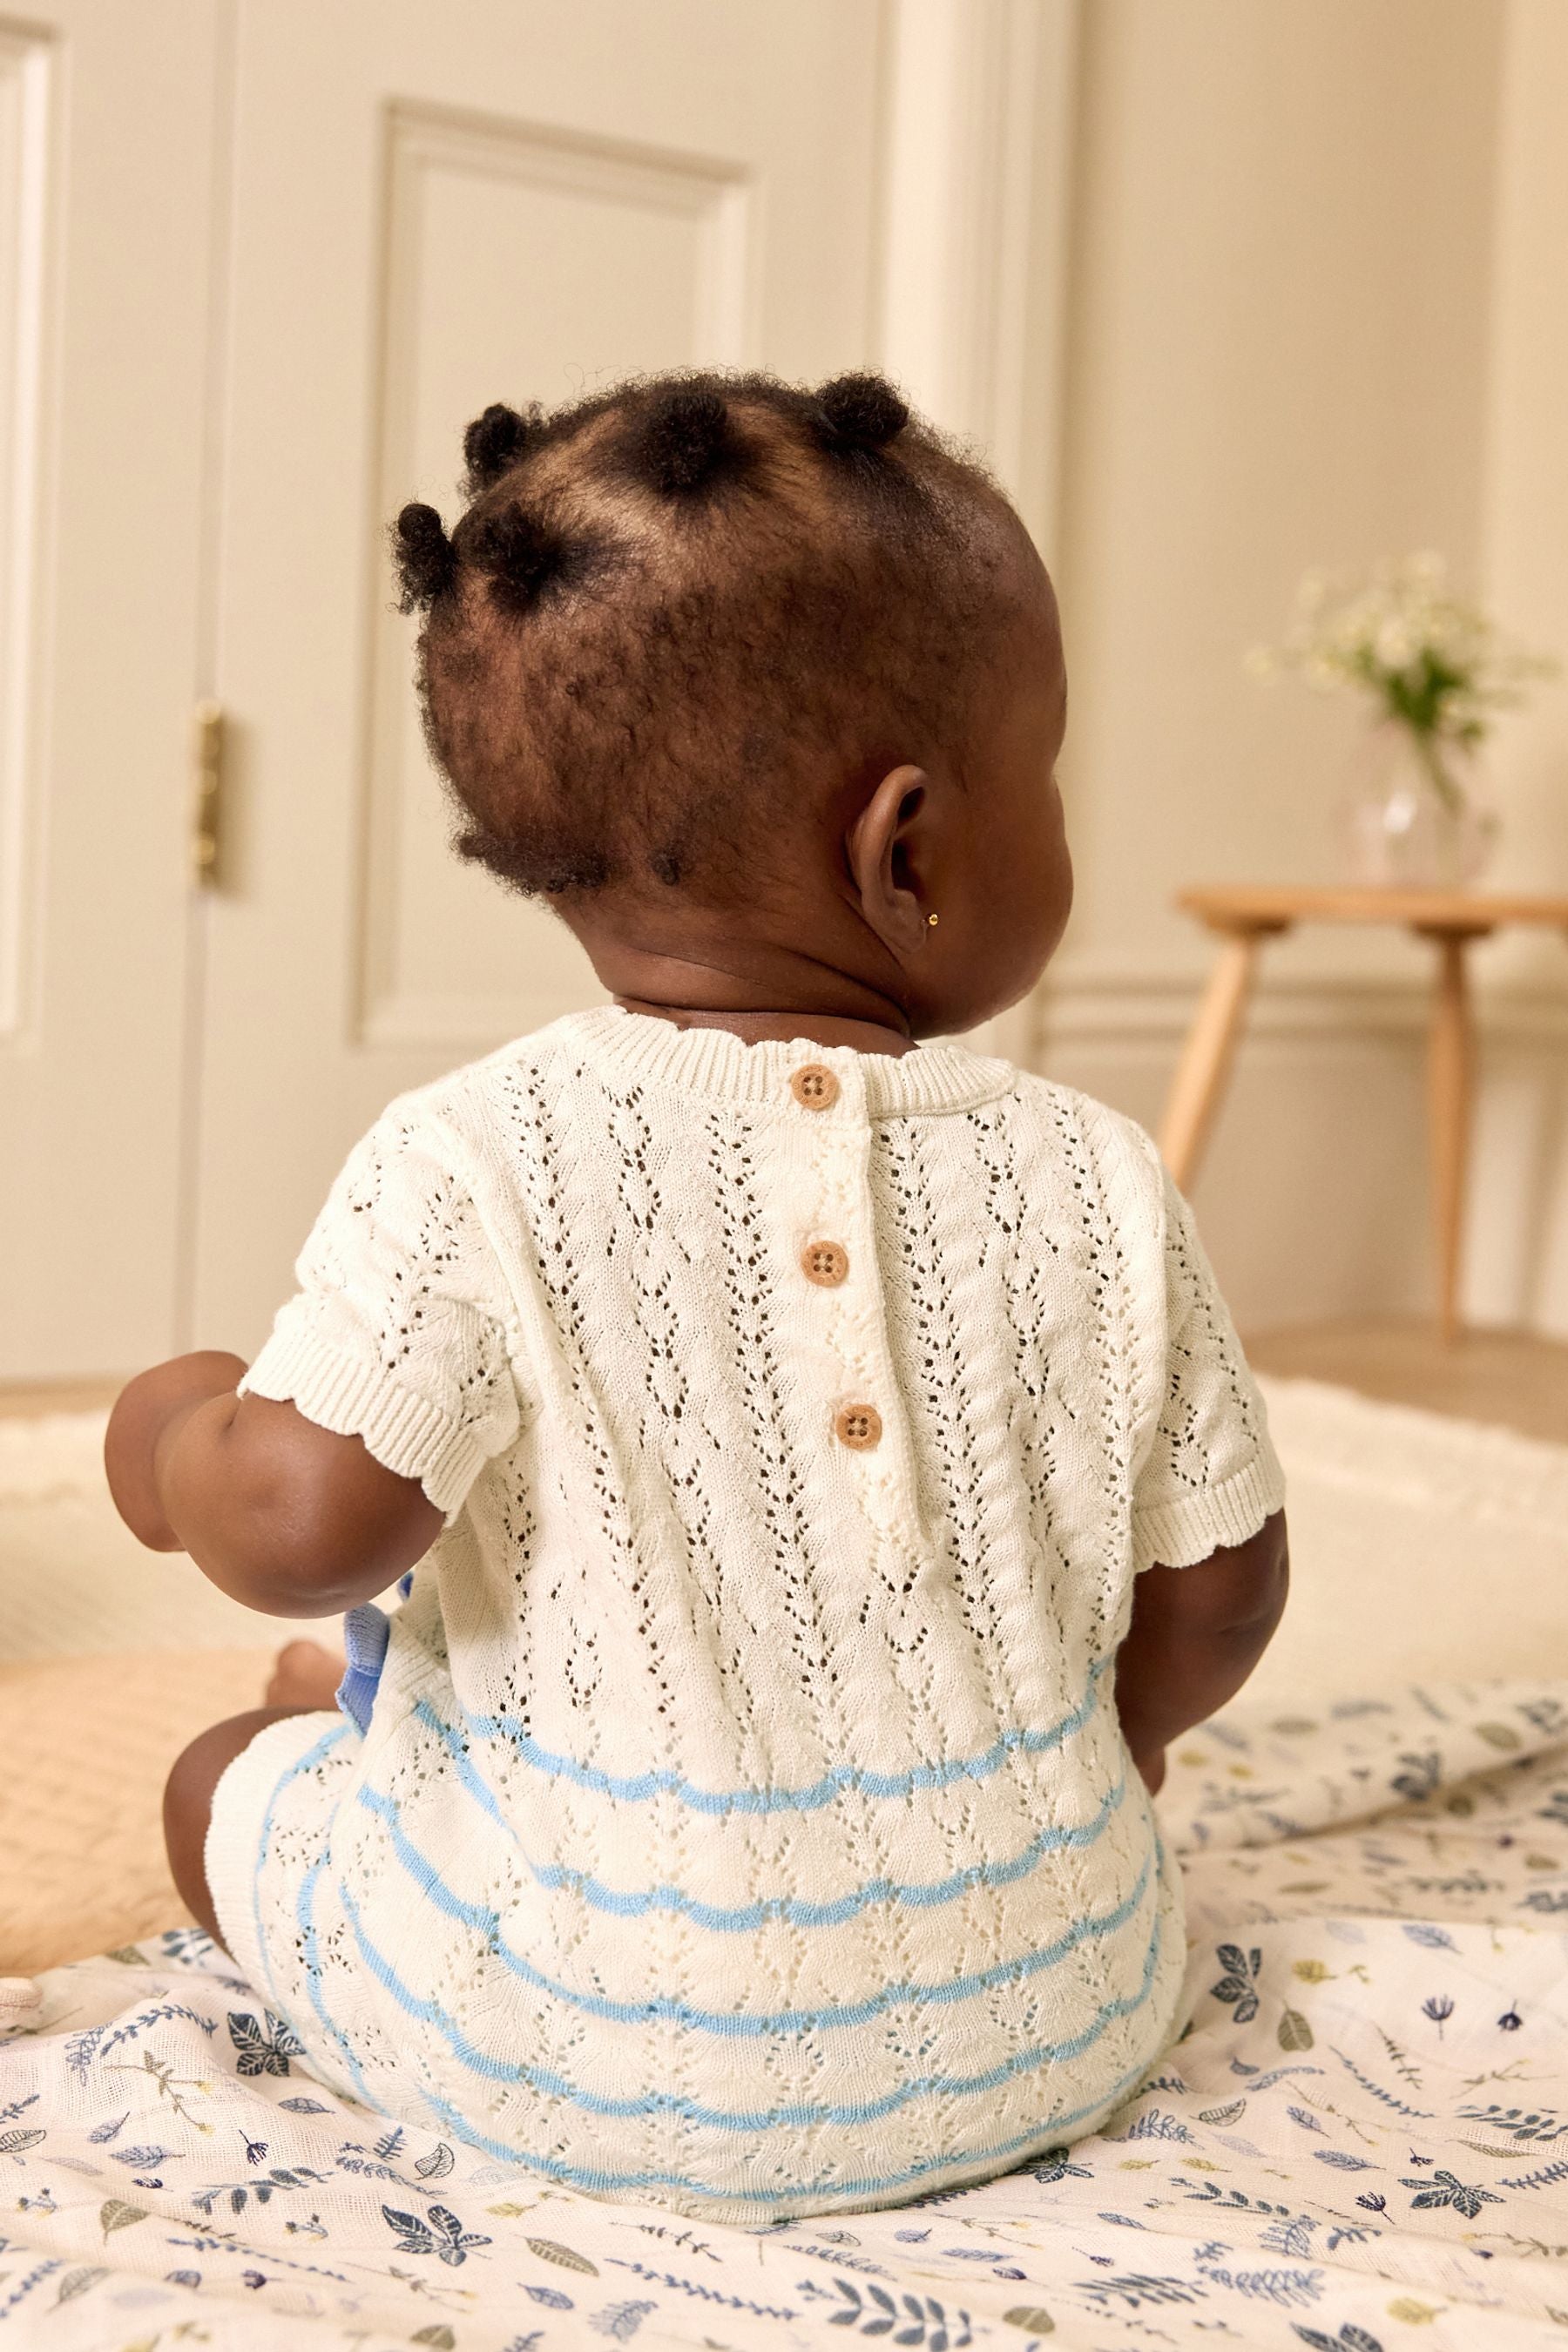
{"x":1525,"y":1142}
{"x":1316,"y":313}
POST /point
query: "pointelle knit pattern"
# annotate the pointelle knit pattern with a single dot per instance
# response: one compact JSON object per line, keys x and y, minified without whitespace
{"x":741,"y":1819}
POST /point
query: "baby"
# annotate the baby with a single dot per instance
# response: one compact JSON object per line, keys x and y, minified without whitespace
{"x":828,"y":1474}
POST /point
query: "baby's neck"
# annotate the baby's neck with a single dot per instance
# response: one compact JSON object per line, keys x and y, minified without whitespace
{"x":778,"y":978}
{"x":755,"y":1028}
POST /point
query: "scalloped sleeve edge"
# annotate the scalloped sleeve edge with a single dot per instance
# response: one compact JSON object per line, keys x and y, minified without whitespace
{"x":1179,"y":1535}
{"x":405,"y":1433}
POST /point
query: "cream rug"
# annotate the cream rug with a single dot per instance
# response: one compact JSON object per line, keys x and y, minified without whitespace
{"x":72,"y":1578}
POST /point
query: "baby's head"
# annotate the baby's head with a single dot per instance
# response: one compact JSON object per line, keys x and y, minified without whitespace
{"x":762,"y":687}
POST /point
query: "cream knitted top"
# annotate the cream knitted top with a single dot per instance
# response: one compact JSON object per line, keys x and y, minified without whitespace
{"x":743,"y":1820}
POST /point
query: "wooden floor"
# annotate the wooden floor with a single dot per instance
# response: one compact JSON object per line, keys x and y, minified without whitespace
{"x":1512,"y":1378}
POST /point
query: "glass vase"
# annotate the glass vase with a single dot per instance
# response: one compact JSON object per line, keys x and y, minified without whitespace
{"x":1418,"y":819}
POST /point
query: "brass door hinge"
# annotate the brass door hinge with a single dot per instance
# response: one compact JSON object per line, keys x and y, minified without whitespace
{"x":206,"y":761}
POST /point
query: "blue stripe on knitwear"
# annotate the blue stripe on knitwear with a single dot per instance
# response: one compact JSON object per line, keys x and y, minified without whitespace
{"x":597,"y":2183}
{"x":729,"y":2024}
{"x":305,"y":1914}
{"x":639,"y":1787}
{"x":300,"y":1766}
{"x":795,"y":1911}
{"x":801,"y":2117}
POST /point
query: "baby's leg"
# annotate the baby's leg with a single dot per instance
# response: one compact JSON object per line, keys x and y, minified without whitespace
{"x":188,"y":1802}
{"x":305,"y":1676}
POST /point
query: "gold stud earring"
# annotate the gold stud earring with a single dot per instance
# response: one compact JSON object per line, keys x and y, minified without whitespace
{"x":931,"y":921}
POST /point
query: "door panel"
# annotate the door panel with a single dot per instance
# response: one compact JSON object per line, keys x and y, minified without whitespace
{"x":433,"y":209}
{"x":106,"y":128}
{"x":606,"y":254}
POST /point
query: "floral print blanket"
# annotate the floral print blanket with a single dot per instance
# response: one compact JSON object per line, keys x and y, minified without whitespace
{"x":1360,"y":2144}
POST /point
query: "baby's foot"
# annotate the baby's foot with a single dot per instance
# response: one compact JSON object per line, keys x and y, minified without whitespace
{"x":306,"y":1675}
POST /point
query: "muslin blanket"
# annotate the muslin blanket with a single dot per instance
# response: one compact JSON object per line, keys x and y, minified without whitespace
{"x":1360,"y":2143}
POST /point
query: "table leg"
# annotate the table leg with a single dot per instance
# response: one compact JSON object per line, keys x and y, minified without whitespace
{"x":1206,"y":1058}
{"x":1449,"y":1104}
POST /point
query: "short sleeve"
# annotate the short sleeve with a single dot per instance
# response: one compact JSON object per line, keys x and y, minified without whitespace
{"x":1208,"y":1473}
{"x":398,"y":1333}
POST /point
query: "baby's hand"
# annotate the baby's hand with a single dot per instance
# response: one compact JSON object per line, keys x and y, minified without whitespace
{"x":147,"y":1414}
{"x":287,"y":1517}
{"x":1195,"y":1635}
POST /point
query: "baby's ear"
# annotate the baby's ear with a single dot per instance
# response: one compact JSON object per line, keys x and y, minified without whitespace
{"x":888,"y":852}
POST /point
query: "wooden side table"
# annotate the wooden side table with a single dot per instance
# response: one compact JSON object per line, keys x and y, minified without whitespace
{"x":1244,"y":917}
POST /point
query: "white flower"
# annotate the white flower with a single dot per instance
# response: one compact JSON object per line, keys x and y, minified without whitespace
{"x":1427,"y":658}
{"x":1393,"y":645}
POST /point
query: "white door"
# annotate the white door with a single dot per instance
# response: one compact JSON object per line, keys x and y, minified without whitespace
{"x":435,"y":208}
{"x":106,"y":127}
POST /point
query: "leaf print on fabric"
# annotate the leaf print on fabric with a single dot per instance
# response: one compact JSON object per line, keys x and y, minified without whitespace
{"x":1135,"y":2288}
{"x":1443,"y":2189}
{"x":16,"y":2144}
{"x":446,"y":2237}
{"x":1439,"y":2007}
{"x":1295,"y":2033}
{"x":115,"y":2214}
{"x":260,"y":2052}
{"x":263,"y":2188}
{"x":1237,"y":1988}
{"x":1031,"y":2316}
{"x":1286,"y":2287}
{"x":161,"y":2013}
{"x":1420,"y":1777}
{"x":437,"y":2164}
{"x":1420,"y":1931}
{"x":1153,"y":2125}
{"x":79,"y":2282}
{"x":550,"y":2297}
{"x":620,"y":2321}
{"x":303,"y":2107}
{"x":1056,"y":2164}
{"x":141,"y":2156}
{"x":919,"y":2321}
{"x":1351,"y":2338}
{"x":549,"y":2251}
{"x":1547,"y":2178}
{"x":1519,"y":2123}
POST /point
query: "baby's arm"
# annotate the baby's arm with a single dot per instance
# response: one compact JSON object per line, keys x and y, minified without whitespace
{"x":278,"y":1513}
{"x":1196,"y":1634}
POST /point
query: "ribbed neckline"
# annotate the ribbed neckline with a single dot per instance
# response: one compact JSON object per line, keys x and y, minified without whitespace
{"x":719,"y":1066}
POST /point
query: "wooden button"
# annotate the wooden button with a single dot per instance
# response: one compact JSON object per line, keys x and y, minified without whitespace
{"x":859,"y":1426}
{"x":825,"y":1263}
{"x":814,"y":1086}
